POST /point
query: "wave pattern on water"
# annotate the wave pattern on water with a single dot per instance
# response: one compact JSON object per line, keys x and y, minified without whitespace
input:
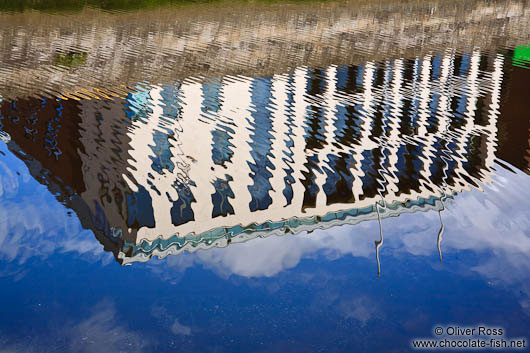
{"x":210,"y":124}
{"x":95,"y":53}
{"x":207,"y":162}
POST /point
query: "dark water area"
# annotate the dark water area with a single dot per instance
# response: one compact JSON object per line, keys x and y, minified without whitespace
{"x":251,"y":177}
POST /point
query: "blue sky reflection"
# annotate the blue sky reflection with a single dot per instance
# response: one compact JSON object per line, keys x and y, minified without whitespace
{"x":66,"y":293}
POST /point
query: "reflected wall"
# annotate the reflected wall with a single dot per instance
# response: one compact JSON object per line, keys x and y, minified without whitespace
{"x":205,"y":163}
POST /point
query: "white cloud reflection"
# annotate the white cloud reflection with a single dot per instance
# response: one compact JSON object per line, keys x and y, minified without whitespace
{"x":174,"y":325}
{"x":362,"y":309}
{"x":100,"y":331}
{"x":33,"y":223}
{"x":269,"y":256}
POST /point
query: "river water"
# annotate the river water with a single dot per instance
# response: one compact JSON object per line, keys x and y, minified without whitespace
{"x":264,"y":176}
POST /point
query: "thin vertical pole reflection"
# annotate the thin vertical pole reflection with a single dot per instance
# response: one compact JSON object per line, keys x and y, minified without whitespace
{"x":379,"y":242}
{"x":440,"y":234}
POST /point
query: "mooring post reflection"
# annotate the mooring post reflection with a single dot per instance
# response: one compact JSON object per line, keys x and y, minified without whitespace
{"x":378,"y":243}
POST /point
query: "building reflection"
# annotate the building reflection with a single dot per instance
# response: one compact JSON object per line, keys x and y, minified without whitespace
{"x":204,"y":163}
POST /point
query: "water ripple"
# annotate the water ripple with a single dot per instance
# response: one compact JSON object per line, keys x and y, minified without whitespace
{"x":170,"y":134}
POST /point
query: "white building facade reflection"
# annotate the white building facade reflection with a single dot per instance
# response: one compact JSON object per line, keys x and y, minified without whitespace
{"x":207,"y":162}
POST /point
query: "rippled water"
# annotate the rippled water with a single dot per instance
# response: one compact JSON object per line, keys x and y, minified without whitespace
{"x":316,"y":176}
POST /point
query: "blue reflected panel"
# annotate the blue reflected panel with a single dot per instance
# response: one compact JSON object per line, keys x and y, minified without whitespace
{"x":261,"y":142}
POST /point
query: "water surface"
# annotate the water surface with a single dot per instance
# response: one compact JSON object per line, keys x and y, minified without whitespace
{"x":284,"y":177}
